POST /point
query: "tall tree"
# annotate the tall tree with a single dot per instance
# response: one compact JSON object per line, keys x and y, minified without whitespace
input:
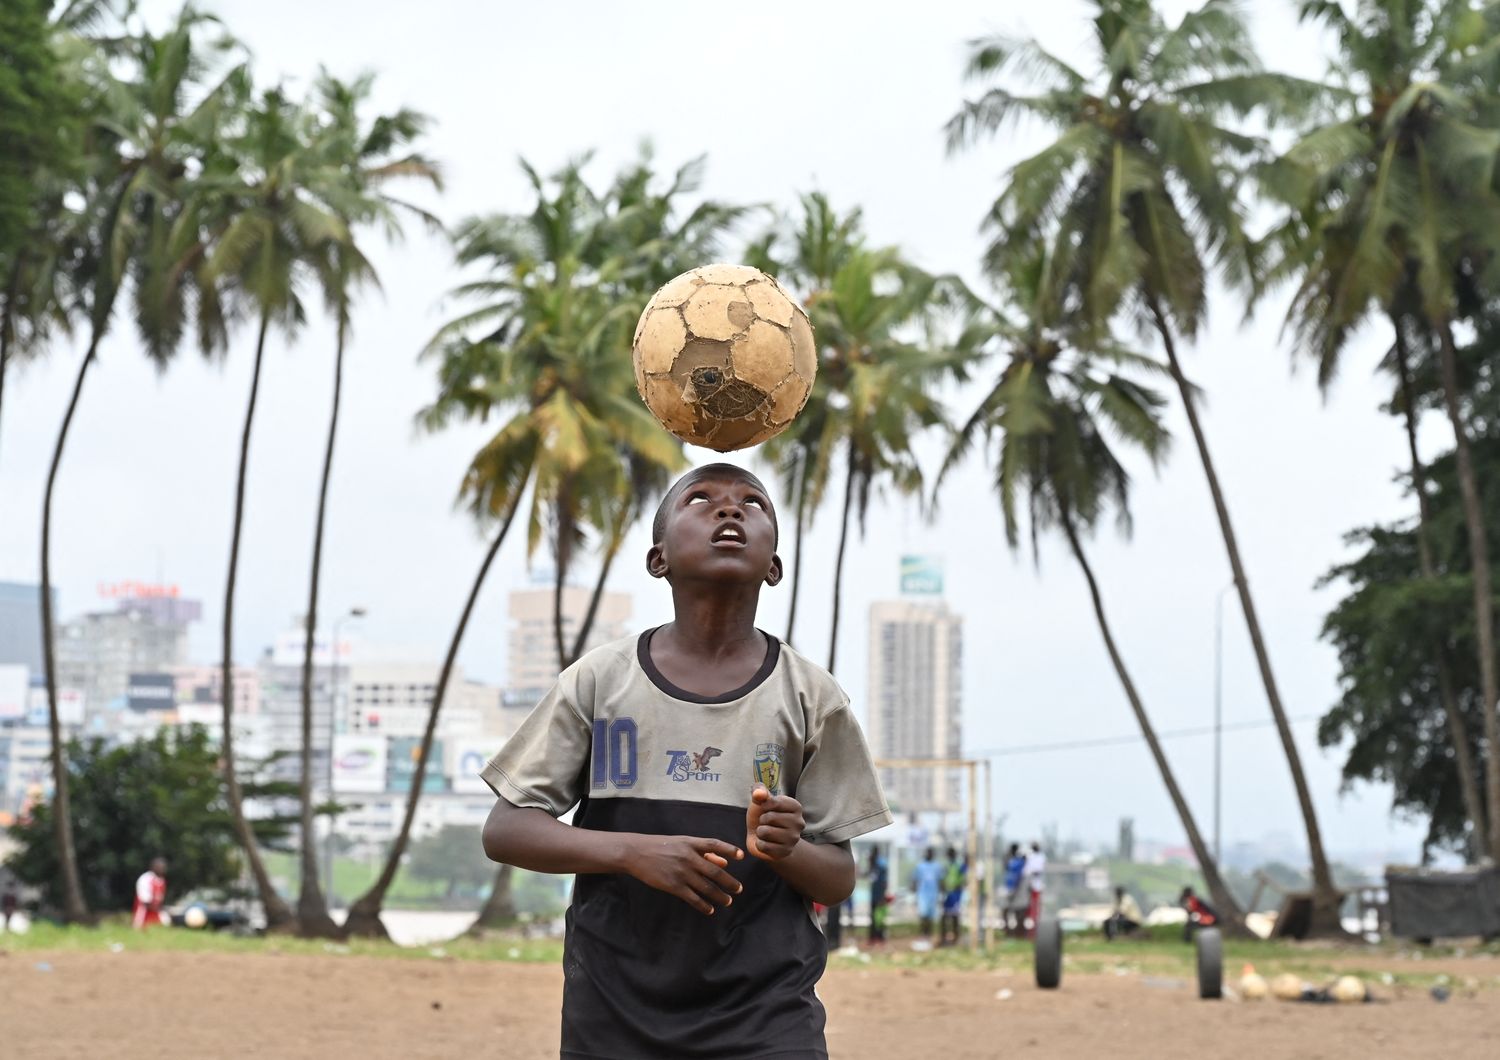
{"x":1140,"y":193}
{"x":153,"y":109}
{"x":358,"y":161}
{"x":277,"y":233}
{"x":544,"y":345}
{"x":1394,"y":204}
{"x":1061,"y":393}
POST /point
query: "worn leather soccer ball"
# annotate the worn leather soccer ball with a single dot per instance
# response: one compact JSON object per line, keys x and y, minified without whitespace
{"x":724,"y":357}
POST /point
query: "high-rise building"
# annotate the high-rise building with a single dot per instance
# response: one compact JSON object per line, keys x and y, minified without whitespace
{"x":97,"y":652}
{"x":916,"y":652}
{"x":21,"y":625}
{"x":533,"y":642}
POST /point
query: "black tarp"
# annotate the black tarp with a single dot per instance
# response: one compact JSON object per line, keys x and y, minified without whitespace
{"x":1429,"y":905}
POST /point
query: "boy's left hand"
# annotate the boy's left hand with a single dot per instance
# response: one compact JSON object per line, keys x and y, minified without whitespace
{"x":773,"y":825}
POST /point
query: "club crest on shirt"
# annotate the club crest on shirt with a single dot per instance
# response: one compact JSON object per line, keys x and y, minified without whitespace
{"x":683,"y":766}
{"x":768,"y":761}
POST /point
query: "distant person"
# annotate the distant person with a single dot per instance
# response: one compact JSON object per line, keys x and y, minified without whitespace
{"x":1036,"y":871}
{"x":927,"y":881}
{"x":1126,"y":919}
{"x":880,"y":887}
{"x":1200,"y":914}
{"x":151,"y":895}
{"x":955,"y":876}
{"x":1015,"y":901}
{"x":8,"y":904}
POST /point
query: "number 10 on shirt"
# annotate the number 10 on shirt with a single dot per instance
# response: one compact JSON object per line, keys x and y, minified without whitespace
{"x":614,"y":752}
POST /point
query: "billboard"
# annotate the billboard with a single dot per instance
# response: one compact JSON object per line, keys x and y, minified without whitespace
{"x":14,"y":681}
{"x":288,"y":649}
{"x":922,"y":575}
{"x":359,"y":762}
{"x":469,"y":757}
{"x":151,"y":692}
{"x":405,"y":752}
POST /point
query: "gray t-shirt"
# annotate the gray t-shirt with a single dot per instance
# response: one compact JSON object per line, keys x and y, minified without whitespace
{"x":646,"y":975}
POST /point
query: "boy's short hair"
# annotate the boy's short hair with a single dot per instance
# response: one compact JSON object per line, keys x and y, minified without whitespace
{"x":659,"y":524}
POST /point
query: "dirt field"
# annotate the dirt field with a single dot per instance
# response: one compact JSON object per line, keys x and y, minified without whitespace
{"x":264,"y":1005}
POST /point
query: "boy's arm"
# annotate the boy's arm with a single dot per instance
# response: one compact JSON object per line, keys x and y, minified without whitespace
{"x":688,"y":867}
{"x":774,"y":824}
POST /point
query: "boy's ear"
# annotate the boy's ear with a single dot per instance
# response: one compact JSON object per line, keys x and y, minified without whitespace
{"x":773,"y":576}
{"x":656,"y":562}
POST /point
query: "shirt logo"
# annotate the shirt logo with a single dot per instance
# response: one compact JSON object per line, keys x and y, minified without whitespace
{"x":683,"y":766}
{"x":768,"y":762}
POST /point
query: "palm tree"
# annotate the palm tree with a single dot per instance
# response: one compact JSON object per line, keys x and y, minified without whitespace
{"x":1063,"y":391}
{"x":1394,"y":205}
{"x":277,"y":233}
{"x":546,"y":346}
{"x":1139,"y":193}
{"x":146,"y":126}
{"x":359,"y":161}
{"x":806,"y":256}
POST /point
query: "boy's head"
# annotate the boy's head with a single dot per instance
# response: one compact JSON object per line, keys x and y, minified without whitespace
{"x":158,"y":866}
{"x":716,"y":524}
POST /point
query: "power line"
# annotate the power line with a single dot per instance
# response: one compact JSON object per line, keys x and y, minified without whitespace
{"x":1115,"y":741}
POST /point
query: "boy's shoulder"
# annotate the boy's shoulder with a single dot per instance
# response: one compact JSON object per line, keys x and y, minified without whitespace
{"x":808,"y":677}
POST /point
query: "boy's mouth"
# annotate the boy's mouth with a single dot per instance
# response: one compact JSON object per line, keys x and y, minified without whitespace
{"x":730,"y":534}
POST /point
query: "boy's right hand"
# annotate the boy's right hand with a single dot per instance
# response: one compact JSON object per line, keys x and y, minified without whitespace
{"x":688,"y":867}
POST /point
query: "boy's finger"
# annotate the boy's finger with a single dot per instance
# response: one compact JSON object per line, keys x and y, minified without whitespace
{"x":760,"y":794}
{"x":716,"y":859}
{"x":781,"y":820}
{"x":725,"y":850}
{"x":721,"y":879}
{"x":709,"y":891}
{"x":692,"y":898}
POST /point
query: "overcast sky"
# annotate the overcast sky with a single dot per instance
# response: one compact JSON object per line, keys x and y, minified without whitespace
{"x":850,"y":98}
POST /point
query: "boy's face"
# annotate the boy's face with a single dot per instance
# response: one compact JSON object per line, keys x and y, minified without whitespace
{"x":719,"y":527}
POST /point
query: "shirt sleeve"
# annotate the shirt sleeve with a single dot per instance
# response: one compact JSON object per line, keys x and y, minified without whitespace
{"x":543,"y":764}
{"x":144,"y":892}
{"x":838,"y":788}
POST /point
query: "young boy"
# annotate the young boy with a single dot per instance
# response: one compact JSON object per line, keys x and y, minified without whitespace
{"x":719,"y":777}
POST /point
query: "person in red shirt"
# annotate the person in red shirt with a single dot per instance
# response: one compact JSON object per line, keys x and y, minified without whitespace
{"x":151,"y":895}
{"x":1200,"y":914}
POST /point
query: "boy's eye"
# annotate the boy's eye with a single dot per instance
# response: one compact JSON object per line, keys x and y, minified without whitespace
{"x":757,"y":502}
{"x":698,"y":498}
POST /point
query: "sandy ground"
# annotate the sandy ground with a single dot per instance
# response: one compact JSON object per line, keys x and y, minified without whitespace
{"x":263,"y":1005}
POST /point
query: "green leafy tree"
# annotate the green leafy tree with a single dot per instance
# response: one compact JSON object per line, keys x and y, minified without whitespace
{"x":356,"y":161}
{"x":1394,"y":212}
{"x":451,"y":857}
{"x":1139,"y":193}
{"x":1062,"y":393}
{"x":159,"y":796}
{"x":1411,"y":693}
{"x":153,"y":109}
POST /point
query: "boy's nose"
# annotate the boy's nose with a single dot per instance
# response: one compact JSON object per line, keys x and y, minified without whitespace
{"x":728,"y":511}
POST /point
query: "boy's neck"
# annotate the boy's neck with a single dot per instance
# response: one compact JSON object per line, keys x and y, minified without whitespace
{"x":712,"y":623}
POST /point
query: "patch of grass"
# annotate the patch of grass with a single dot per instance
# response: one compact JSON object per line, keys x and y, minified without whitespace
{"x":116,"y":935}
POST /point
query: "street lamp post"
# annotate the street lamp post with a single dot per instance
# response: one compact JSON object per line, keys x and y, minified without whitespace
{"x":1219,"y":715}
{"x":333,"y":709}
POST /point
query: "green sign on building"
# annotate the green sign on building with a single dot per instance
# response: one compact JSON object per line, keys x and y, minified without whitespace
{"x":922,"y":575}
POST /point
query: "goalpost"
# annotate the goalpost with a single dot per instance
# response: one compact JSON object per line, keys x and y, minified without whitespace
{"x":979,"y":933}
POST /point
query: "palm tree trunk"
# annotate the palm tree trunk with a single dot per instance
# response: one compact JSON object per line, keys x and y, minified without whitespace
{"x":278,"y":913}
{"x":617,"y":538}
{"x":1468,"y":779}
{"x":559,"y":582}
{"x":838,"y":563}
{"x":8,"y":322}
{"x":364,"y":915}
{"x":1479,"y":557}
{"x":791,"y":617}
{"x":500,"y":908}
{"x":1326,"y":898}
{"x":312,"y":906}
{"x":1234,"y":918}
{"x":75,"y":909}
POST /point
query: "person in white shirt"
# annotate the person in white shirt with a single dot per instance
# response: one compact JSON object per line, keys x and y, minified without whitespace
{"x":151,"y":895}
{"x":1034,"y":872}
